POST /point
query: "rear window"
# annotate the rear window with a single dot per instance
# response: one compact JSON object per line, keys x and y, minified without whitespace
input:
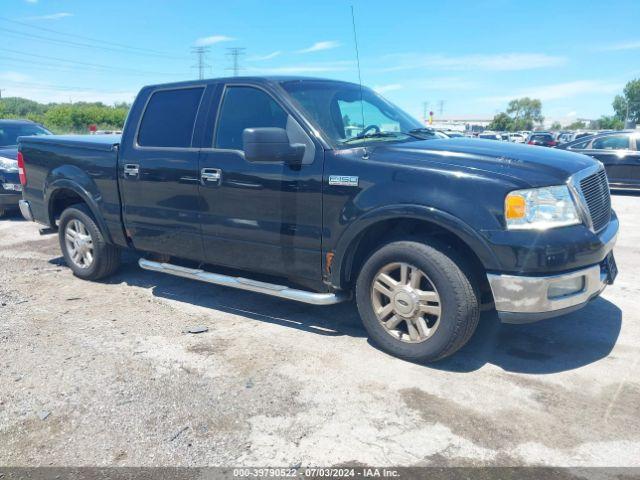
{"x":169,"y":118}
{"x":542,"y":136}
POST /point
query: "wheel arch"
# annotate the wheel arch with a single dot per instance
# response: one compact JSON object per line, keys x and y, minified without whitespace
{"x":402,"y":222}
{"x":64,"y":192}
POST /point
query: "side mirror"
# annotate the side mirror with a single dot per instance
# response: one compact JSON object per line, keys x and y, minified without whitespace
{"x":270,"y":144}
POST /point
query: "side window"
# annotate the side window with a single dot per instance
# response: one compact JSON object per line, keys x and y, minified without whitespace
{"x":579,"y":146}
{"x":169,"y":118}
{"x":246,"y":107}
{"x":617,"y":142}
{"x":638,"y":143}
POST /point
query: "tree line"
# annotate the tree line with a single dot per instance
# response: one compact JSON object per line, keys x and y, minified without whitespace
{"x":526,"y":113}
{"x":66,"y":117}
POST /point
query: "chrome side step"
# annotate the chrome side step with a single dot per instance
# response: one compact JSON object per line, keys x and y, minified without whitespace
{"x":244,"y":283}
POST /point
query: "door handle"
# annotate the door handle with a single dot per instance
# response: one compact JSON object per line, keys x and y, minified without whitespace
{"x":131,"y":170}
{"x":210,"y":176}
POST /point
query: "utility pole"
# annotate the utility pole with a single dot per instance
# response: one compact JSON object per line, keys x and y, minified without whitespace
{"x":425,"y":110}
{"x":441,"y":107}
{"x":201,"y":56}
{"x":235,"y":53}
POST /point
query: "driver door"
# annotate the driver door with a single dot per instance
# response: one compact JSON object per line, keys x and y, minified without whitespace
{"x":260,"y":216}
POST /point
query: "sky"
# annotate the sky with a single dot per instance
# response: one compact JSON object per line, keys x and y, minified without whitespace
{"x":465,"y":58}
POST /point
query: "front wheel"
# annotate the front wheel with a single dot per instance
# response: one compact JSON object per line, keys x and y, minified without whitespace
{"x":83,"y":245}
{"x":416,"y":302}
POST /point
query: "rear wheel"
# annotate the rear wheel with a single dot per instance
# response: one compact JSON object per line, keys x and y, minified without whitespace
{"x":83,"y":245}
{"x":416,"y":302}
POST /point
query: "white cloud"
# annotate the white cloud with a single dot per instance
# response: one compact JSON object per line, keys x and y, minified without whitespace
{"x":213,"y":39}
{"x":31,"y":1}
{"x":387,"y":88}
{"x":491,"y":62}
{"x":560,"y":90}
{"x":319,"y":46}
{"x":632,"y":45}
{"x":269,"y":56}
{"x":51,"y":16}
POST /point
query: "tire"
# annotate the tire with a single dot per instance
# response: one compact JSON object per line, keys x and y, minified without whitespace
{"x":446,"y":300}
{"x":104,"y":258}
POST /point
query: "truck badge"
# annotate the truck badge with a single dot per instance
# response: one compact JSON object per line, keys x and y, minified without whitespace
{"x":343,"y":180}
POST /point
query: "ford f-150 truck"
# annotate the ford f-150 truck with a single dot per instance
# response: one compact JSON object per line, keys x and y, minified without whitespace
{"x":319,"y":191}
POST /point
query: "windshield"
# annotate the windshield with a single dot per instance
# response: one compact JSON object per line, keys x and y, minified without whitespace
{"x":10,"y":132}
{"x":345,"y":120}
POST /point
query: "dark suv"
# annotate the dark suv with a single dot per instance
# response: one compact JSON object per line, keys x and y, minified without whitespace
{"x":10,"y":187}
{"x":542,"y":139}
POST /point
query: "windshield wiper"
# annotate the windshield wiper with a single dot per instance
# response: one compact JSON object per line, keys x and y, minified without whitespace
{"x":374,"y":135}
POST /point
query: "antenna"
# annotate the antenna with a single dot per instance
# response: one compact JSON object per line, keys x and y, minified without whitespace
{"x":355,"y":41}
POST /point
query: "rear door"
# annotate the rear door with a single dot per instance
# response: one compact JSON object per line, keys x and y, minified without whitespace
{"x":614,"y":151}
{"x":158,"y":169}
{"x":260,"y":216}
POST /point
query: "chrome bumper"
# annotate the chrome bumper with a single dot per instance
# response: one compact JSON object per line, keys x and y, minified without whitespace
{"x":520,"y":299}
{"x":25,"y":210}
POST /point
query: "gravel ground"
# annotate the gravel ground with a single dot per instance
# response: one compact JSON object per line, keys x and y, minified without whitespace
{"x":97,"y":374}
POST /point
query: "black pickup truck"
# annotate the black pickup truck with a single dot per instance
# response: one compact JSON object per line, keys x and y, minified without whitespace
{"x":318,"y":191}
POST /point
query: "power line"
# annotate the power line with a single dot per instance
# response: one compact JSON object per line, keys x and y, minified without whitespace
{"x":44,"y":86}
{"x":74,"y":62}
{"x":19,"y":34}
{"x":235,"y":53}
{"x":119,"y":45}
{"x":201,"y":53}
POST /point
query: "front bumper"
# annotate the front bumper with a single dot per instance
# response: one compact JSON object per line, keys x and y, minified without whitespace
{"x":523,"y":299}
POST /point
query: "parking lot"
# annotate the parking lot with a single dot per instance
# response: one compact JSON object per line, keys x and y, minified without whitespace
{"x":106,"y":374}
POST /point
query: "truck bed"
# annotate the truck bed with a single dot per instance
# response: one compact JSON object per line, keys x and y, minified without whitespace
{"x":91,"y":161}
{"x":94,"y":142}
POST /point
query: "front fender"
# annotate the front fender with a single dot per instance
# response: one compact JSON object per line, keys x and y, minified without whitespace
{"x":69,"y":177}
{"x":443,"y":219}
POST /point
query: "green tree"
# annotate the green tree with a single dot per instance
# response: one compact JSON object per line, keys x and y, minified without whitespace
{"x":66,"y":117}
{"x":501,"y":122}
{"x":556,"y":126}
{"x":609,"y":123}
{"x":576,"y":125}
{"x":526,"y":112}
{"x":630,"y":99}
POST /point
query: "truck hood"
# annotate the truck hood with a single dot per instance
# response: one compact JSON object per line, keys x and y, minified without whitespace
{"x":9,"y":152}
{"x":533,"y":166}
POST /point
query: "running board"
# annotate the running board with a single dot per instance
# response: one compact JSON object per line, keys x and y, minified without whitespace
{"x":244,"y":283}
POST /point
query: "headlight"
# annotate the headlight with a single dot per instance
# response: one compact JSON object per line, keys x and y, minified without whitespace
{"x":8,"y":164}
{"x":540,"y":208}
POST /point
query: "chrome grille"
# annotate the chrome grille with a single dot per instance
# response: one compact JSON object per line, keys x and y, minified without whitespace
{"x":595,"y":190}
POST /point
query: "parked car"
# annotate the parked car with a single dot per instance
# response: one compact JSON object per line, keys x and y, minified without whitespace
{"x":490,"y":136}
{"x":543,"y":139}
{"x":10,"y":187}
{"x":618,"y":151}
{"x":516,"y":138}
{"x":259,"y":176}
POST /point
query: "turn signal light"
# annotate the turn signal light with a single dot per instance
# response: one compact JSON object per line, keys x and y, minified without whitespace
{"x":21,"y":172}
{"x":515,"y":207}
